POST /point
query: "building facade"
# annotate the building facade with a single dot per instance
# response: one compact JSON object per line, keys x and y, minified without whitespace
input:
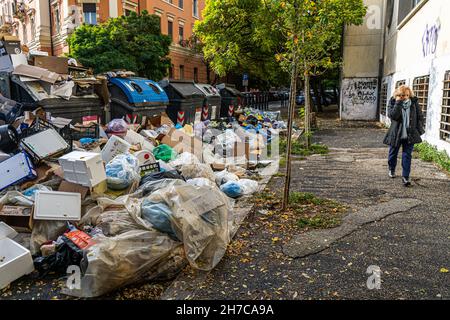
{"x":46,"y":24}
{"x":414,"y":49}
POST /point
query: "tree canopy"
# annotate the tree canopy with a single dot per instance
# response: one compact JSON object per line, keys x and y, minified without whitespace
{"x":263,"y":35}
{"x":131,"y":42}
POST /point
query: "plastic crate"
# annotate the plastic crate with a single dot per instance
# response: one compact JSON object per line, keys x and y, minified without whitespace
{"x":150,"y":168}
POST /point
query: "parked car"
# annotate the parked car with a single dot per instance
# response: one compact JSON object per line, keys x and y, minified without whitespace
{"x":326,"y":99}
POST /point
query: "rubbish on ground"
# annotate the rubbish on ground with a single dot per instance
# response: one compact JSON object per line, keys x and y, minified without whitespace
{"x":17,"y":217}
{"x":84,"y":168}
{"x":44,"y":145}
{"x":145,"y":157}
{"x":117,"y":127}
{"x":55,"y":205}
{"x":15,"y":260}
{"x":9,"y":139}
{"x":16,"y":170}
{"x":158,"y":214}
{"x":164,"y":152}
{"x":232,"y":189}
{"x":122,"y":171}
{"x":114,"y":147}
{"x":197,"y":170}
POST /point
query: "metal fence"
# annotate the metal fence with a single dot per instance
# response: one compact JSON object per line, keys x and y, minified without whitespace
{"x":256,"y":100}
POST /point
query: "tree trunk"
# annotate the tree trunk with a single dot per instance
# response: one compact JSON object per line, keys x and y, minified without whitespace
{"x":287,"y":181}
{"x":317,"y":95}
{"x":307,"y":110}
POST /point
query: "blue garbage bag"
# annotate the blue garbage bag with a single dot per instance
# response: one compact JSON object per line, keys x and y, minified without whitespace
{"x":232,"y":189}
{"x":158,"y":214}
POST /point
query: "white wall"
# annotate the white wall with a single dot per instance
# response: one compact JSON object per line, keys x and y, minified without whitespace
{"x":422,"y":47}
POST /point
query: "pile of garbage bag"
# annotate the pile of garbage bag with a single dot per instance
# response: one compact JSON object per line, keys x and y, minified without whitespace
{"x":128,"y":202}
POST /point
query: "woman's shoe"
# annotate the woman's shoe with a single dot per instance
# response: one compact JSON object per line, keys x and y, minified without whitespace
{"x":406,"y":182}
{"x":392,"y":174}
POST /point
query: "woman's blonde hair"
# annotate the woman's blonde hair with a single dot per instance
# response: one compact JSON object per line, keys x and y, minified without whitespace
{"x":403,"y":89}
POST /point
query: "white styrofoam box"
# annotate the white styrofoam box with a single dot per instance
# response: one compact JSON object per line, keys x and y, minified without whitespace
{"x":114,"y":147}
{"x":84,"y":168}
{"x":55,"y":205}
{"x":15,"y":260}
{"x":145,"y":157}
{"x":16,"y":169}
{"x":45,"y":143}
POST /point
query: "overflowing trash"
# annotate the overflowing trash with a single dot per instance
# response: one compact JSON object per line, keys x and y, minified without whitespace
{"x":123,"y":200}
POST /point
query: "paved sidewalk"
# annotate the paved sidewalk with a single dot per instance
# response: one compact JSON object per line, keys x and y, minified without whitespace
{"x":406,"y":232}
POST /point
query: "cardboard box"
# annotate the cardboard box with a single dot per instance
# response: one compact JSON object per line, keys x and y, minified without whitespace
{"x":37,"y":73}
{"x":55,"y":205}
{"x":181,"y":142}
{"x":15,"y":260}
{"x":84,"y":168}
{"x":158,"y":121}
{"x":67,"y":186}
{"x":53,"y":64}
{"x":17,"y":217}
{"x":114,"y":147}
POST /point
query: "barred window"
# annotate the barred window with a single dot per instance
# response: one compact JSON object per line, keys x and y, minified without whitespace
{"x":420,"y":87}
{"x":383,"y":100}
{"x":400,"y":83}
{"x":445,"y":115}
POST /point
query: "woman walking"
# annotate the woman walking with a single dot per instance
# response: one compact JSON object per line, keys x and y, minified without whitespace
{"x":407,"y":127}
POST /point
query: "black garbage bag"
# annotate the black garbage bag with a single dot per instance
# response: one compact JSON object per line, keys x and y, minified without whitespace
{"x":9,"y":110}
{"x":155,"y":176}
{"x":67,"y":254}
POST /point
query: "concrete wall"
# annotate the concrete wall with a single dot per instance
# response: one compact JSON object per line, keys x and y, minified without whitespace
{"x":361,"y":56}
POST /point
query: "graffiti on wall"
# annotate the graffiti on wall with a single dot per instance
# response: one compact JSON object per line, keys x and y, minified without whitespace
{"x":430,"y":38}
{"x":359,"y":98}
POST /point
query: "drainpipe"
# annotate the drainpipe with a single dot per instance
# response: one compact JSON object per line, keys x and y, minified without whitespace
{"x":51,"y":26}
{"x":381,"y":61}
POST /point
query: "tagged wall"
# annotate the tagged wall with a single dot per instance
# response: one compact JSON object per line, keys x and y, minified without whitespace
{"x":359,"y":99}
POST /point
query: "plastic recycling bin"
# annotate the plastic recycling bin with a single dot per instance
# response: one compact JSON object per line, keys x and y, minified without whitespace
{"x":212,"y":102}
{"x":136,"y":97}
{"x":185,"y":101}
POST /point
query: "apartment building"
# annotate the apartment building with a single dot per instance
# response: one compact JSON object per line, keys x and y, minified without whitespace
{"x":401,"y":42}
{"x":46,"y":24}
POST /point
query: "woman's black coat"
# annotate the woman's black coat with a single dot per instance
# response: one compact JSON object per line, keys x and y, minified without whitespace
{"x":416,"y":123}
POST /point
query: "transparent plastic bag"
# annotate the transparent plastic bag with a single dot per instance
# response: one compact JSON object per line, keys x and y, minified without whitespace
{"x":183,"y":159}
{"x":248,"y":186}
{"x":224,"y":176}
{"x":122,"y":171}
{"x":201,"y":182}
{"x":197,"y":170}
{"x":121,"y":260}
{"x":201,"y":219}
{"x":44,"y":231}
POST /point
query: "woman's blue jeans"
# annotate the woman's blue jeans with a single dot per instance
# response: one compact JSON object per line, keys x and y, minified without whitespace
{"x":406,"y":157}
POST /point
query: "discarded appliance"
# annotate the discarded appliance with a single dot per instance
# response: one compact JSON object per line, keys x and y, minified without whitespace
{"x":114,"y":147}
{"x":84,"y":168}
{"x":212,"y":102}
{"x":15,"y":260}
{"x":135,"y":98}
{"x":185,"y":101}
{"x":44,"y":144}
{"x":15,"y":170}
{"x":55,"y":205}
